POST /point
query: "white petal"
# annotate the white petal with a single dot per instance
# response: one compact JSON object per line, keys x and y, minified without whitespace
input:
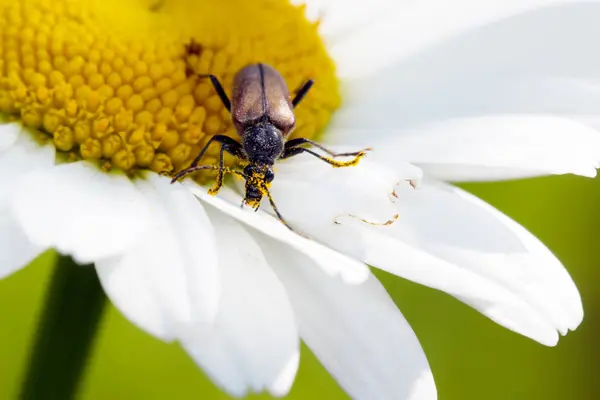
{"x":450,"y":240}
{"x":329,"y":260}
{"x":490,"y":75}
{"x":8,"y":135}
{"x":197,"y":245}
{"x":315,"y":198}
{"x":492,"y":147}
{"x":364,"y":190}
{"x":490,"y":298}
{"x":21,"y":156}
{"x":16,"y":251}
{"x":283,"y":383}
{"x":169,"y":278}
{"x":411,"y":28}
{"x":130,"y":283}
{"x":355,"y":330}
{"x":338,"y":18}
{"x":253,"y":344}
{"x":485,"y":93}
{"x":80,"y":211}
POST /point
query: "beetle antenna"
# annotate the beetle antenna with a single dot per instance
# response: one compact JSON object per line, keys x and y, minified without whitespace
{"x":186,"y":171}
{"x":279,"y":216}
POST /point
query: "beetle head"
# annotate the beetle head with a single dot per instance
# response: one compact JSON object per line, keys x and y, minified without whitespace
{"x":258,"y":177}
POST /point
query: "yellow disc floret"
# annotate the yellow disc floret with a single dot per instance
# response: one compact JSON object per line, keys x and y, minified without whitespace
{"x":111,"y":80}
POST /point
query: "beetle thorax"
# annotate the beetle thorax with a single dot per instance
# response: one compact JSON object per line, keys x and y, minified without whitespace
{"x":263,"y":143}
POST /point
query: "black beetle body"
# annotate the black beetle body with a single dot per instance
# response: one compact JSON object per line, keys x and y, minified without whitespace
{"x":263,"y":115}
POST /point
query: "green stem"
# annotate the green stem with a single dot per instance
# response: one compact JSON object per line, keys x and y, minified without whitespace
{"x":72,"y":312}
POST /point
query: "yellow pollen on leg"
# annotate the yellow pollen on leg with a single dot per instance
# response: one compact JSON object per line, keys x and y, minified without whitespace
{"x":350,"y":163}
{"x":109,"y":80}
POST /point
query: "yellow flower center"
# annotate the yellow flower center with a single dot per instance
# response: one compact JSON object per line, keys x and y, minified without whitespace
{"x":106,"y":79}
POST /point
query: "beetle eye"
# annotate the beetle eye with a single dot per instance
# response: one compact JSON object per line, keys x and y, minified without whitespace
{"x":249,"y":170}
{"x":269,"y":176}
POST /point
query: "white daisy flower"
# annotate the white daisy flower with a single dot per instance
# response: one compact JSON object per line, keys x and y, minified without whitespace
{"x":442,"y":92}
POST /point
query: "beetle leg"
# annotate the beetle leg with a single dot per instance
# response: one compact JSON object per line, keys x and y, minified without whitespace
{"x":294,"y":151}
{"x":213,"y":168}
{"x":227,"y":143}
{"x":300,"y":141}
{"x":301,"y":92}
{"x":219,"y":89}
{"x":230,"y":144}
{"x":219,"y":182}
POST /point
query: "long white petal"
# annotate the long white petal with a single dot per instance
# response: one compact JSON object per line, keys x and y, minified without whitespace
{"x":197,"y":244}
{"x":491,"y":147}
{"x":80,"y":211}
{"x":253,"y":344}
{"x":454,"y":242}
{"x":169,"y":278}
{"x":19,"y":156}
{"x":355,"y":330}
{"x":329,"y":260}
{"x":410,"y":29}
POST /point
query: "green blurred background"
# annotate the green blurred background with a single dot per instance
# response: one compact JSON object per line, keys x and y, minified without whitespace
{"x":471,"y":357}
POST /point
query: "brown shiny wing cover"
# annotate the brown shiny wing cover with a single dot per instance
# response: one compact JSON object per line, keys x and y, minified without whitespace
{"x":258,"y":91}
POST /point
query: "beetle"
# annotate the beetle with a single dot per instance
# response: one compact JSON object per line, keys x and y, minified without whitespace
{"x":262,"y":113}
